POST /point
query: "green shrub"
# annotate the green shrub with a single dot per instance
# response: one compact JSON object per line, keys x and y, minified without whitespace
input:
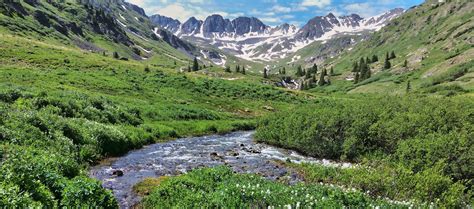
{"x":12,"y":197}
{"x":455,"y":149}
{"x":39,"y":173}
{"x":110,"y":140}
{"x":11,"y":96}
{"x":220,"y":188}
{"x":351,"y":129}
{"x":421,"y":147}
{"x":83,"y":192}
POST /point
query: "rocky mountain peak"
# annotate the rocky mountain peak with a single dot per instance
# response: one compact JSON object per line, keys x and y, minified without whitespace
{"x":243,"y":25}
{"x":216,"y":24}
{"x":135,"y":8}
{"x":191,"y":26}
{"x":167,"y":23}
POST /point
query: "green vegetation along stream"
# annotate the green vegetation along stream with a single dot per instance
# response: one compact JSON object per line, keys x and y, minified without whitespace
{"x":236,"y":150}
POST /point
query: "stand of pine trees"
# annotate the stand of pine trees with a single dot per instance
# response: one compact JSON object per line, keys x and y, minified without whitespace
{"x":361,"y":69}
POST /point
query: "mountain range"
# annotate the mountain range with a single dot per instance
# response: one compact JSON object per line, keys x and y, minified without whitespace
{"x":251,"y":39}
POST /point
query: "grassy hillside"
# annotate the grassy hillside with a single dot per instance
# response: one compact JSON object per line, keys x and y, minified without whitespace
{"x":63,"y":108}
{"x":436,"y":41}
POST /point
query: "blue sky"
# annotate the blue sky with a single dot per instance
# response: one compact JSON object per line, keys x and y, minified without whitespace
{"x":271,"y":12}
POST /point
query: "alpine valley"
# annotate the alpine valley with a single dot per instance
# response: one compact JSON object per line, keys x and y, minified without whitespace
{"x":105,"y":106}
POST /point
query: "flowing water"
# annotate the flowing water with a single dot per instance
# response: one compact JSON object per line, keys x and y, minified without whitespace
{"x":236,"y":150}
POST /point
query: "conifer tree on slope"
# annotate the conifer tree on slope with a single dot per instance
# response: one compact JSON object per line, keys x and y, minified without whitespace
{"x":299,"y":71}
{"x":321,"y":81}
{"x":314,"y":69}
{"x":375,"y":58}
{"x":195,"y":64}
{"x":387,"y":65}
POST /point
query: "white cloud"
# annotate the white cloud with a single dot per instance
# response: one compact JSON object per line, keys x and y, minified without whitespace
{"x":183,"y":12}
{"x":282,"y":9}
{"x":138,"y":2}
{"x":316,"y":3}
{"x":196,"y":1}
{"x":364,"y":9}
{"x":178,"y":11}
{"x":271,"y":20}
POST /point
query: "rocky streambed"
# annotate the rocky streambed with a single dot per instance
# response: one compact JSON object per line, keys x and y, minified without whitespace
{"x":236,"y":150}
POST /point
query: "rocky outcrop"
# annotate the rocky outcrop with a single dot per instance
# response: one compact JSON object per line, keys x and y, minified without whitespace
{"x":191,"y":26}
{"x":167,"y":23}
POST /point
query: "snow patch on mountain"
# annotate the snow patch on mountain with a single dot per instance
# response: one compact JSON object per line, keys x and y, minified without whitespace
{"x":250,"y":39}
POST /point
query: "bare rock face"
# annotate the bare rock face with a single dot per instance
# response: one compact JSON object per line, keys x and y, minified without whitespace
{"x":250,"y":39}
{"x":167,"y":23}
{"x":191,"y":26}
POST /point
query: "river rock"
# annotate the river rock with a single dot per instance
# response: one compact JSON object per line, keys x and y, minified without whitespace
{"x":233,"y":153}
{"x":117,"y":173}
{"x":216,"y":156}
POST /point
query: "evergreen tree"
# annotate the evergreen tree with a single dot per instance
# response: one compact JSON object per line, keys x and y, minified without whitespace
{"x":375,"y":58}
{"x":355,"y":67}
{"x":387,"y":56}
{"x":356,"y":79}
{"x":313,"y":79}
{"x":387,"y":65}
{"x":299,"y":71}
{"x":195,"y":64}
{"x":310,"y":84}
{"x":408,"y":87}
{"x":392,"y":55}
{"x":367,"y":60}
{"x":175,"y":62}
{"x":314,"y":69}
{"x":237,"y":69}
{"x":361,"y":64}
{"x":363,"y":69}
{"x":283,"y":71}
{"x":116,"y":55}
{"x":405,"y":64}
{"x":189,"y":68}
{"x":308,"y":74}
{"x":243,"y":70}
{"x":331,"y":71}
{"x":227,"y":69}
{"x":302,"y":87}
{"x":321,"y":81}
{"x":265,"y":73}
